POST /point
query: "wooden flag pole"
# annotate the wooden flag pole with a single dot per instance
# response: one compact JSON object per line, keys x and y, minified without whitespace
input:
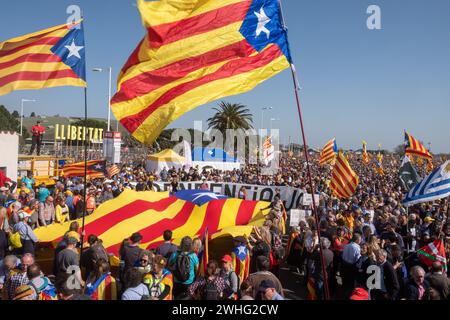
{"x":308,"y":166}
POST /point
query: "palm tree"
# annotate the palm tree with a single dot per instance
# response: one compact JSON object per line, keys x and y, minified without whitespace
{"x":231,"y":116}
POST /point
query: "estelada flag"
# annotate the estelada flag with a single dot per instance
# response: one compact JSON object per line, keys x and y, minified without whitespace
{"x":203,"y":256}
{"x":415,"y":148}
{"x":434,"y":251}
{"x":150,"y":213}
{"x":49,"y":58}
{"x":195,"y":52}
{"x":95,"y":169}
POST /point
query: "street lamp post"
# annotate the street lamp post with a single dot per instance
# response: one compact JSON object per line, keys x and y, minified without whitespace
{"x":273,"y":119}
{"x":21,"y":113}
{"x":109,"y":95}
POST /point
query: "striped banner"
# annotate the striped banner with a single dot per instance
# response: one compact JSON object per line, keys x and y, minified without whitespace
{"x":414,"y":147}
{"x":329,"y":151}
{"x":343,"y":180}
{"x":150,"y":213}
{"x":43,"y":59}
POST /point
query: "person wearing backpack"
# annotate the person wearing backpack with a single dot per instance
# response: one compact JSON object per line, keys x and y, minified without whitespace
{"x":93,"y":254}
{"x":230,"y":277}
{"x":41,"y":285}
{"x":135,"y":288}
{"x":211,"y":286}
{"x":160,"y":280}
{"x":183,"y":264}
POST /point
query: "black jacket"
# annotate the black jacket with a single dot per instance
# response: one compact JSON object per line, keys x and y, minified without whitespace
{"x":412,"y":290}
{"x":390,"y":281}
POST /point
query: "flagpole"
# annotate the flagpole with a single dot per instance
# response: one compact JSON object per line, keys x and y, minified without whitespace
{"x":85,"y":173}
{"x":305,"y":150}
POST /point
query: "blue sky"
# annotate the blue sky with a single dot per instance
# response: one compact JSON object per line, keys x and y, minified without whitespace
{"x":357,"y":83}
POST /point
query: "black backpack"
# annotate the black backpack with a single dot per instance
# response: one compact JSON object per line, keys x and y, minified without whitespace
{"x":181,"y":268}
{"x":210,"y":291}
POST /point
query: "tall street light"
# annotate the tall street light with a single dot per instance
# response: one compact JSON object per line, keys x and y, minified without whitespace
{"x":273,"y":119}
{"x":262,"y":115}
{"x":21,"y":113}
{"x":109,"y":94}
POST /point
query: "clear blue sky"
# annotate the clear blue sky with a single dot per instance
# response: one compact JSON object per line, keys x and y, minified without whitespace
{"x":357,"y":83}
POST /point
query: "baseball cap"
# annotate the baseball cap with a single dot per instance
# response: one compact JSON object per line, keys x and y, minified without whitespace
{"x":227,"y":258}
{"x":359,"y":294}
{"x":428,"y":219}
{"x":266,"y":284}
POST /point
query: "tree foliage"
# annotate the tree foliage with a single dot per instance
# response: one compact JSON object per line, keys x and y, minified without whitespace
{"x":8,"y":122}
{"x":231,"y":116}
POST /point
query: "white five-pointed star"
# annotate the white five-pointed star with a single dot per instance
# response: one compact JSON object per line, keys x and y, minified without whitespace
{"x":241,"y":250}
{"x":206,"y":194}
{"x":262,"y":21}
{"x":98,"y":166}
{"x":74,"y":50}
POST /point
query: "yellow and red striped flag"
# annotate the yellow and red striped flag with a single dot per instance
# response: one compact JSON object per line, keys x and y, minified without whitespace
{"x":49,"y":58}
{"x":365,"y":155}
{"x":149,"y":213}
{"x":113,"y":170}
{"x":195,"y":52}
{"x":95,"y":169}
{"x":343,"y":180}
{"x":204,"y":255}
{"x":415,"y":148}
{"x":329,"y":152}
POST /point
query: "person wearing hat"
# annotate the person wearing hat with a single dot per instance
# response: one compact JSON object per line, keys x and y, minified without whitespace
{"x":24,"y":292}
{"x":37,"y":132}
{"x":27,"y":236}
{"x":230,"y":276}
{"x":268,"y":292}
{"x":131,"y":251}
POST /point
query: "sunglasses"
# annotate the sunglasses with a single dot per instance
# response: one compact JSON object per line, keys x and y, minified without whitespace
{"x":144,"y":260}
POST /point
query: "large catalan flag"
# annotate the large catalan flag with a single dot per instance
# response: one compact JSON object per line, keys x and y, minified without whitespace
{"x":343,"y":180}
{"x":414,"y":147}
{"x":48,"y":58}
{"x":195,"y":52}
{"x":150,"y":213}
{"x":329,"y":152}
{"x":95,"y":169}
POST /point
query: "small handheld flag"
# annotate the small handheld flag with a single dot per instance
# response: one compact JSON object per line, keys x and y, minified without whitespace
{"x":343,"y":180}
{"x":413,"y":147}
{"x":329,"y":152}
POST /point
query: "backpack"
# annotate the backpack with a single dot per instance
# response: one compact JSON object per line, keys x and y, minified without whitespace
{"x":210,"y":291}
{"x":48,"y":293}
{"x":181,"y":268}
{"x":277,"y":247}
{"x":228,"y":279}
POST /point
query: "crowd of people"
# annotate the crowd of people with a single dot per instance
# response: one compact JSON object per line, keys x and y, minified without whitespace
{"x":333,"y":256}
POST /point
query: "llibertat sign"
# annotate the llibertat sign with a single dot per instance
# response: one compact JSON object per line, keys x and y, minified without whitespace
{"x":291,"y":197}
{"x":78,"y":133}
